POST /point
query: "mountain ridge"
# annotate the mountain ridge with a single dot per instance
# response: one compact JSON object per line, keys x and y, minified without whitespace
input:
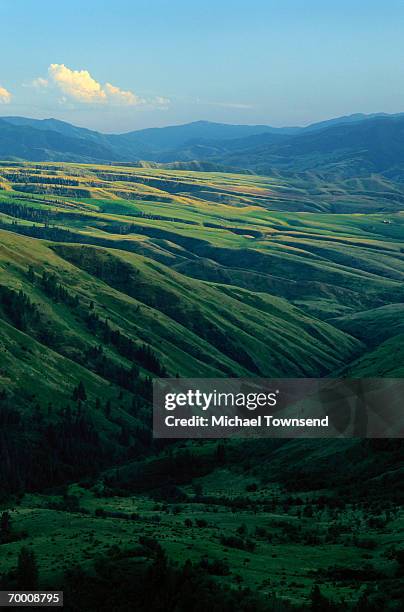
{"x":348,"y":146}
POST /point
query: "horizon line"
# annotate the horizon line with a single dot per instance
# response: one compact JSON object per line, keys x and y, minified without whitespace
{"x":206,"y":121}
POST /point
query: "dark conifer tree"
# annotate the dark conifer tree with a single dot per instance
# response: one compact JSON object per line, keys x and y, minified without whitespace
{"x":27,"y":570}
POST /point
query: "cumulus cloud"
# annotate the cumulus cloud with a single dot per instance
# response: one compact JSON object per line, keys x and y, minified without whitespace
{"x":79,"y":85}
{"x":120,"y":96}
{"x":5,"y":96}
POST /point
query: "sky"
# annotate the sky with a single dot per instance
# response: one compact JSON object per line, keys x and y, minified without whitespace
{"x":129,"y":64}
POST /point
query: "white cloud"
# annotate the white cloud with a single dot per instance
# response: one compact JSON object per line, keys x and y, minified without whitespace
{"x":5,"y":96}
{"x":119,"y":96}
{"x":80,"y":86}
{"x":39,"y":82}
{"x":77,"y":84}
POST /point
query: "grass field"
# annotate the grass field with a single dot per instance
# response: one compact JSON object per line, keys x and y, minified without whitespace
{"x":111,"y":275}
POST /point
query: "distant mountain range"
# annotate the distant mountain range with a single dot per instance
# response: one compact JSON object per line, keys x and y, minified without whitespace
{"x":354,"y":145}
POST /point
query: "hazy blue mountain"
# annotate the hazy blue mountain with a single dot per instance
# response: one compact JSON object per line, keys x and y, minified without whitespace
{"x":357,"y":144}
{"x":354,"y":118}
{"x":54,"y":125}
{"x":362,"y":147}
{"x":29,"y":143}
{"x":153,"y":143}
{"x":177,"y":135}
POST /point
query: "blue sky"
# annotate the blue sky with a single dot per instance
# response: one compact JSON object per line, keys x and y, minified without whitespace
{"x":128,"y":64}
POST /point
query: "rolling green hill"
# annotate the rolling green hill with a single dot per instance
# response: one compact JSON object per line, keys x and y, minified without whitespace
{"x":124,"y":273}
{"x":111,"y":275}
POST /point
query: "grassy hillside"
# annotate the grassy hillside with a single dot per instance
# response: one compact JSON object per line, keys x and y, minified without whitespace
{"x":112,"y":275}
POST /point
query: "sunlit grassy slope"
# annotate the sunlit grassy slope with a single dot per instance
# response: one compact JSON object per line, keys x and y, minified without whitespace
{"x":221,"y":274}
